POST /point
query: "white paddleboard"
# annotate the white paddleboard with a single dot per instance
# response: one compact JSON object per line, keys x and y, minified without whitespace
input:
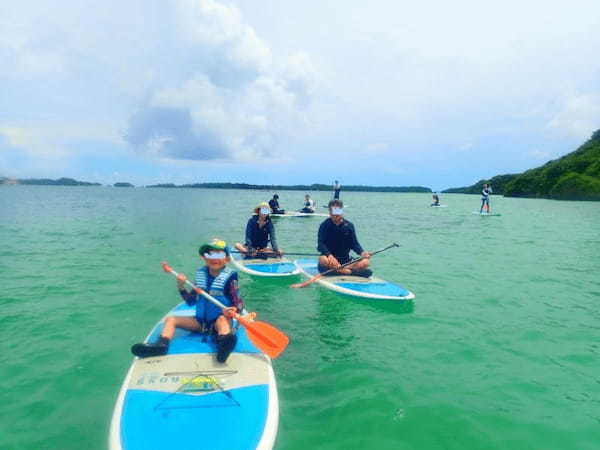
{"x":486,"y":214}
{"x":299,"y":214}
{"x":371,"y":288}
{"x":187,"y":400}
{"x":270,"y":267}
{"x":439,"y":206}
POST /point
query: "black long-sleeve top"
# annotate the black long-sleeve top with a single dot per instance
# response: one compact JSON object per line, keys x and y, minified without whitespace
{"x":338,"y":240}
{"x":259,"y":237}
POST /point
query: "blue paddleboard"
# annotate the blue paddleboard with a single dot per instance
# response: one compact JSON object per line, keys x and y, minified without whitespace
{"x":371,"y":288}
{"x":187,"y":400}
{"x":270,"y":267}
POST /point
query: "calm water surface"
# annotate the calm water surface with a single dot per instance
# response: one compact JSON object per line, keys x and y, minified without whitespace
{"x":500,"y":349}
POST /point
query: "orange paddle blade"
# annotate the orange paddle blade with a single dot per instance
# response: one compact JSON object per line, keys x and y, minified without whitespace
{"x":266,"y":337}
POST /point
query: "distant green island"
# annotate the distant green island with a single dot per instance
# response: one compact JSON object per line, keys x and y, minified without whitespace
{"x":297,"y":187}
{"x":575,"y":176}
{"x":47,"y":182}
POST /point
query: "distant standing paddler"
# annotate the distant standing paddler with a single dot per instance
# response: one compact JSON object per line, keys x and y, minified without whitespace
{"x":485,"y":198}
{"x":336,"y":238}
{"x":436,"y":199}
{"x":274,"y":204}
{"x":337,"y":187}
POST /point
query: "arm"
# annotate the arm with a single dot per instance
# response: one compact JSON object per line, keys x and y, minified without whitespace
{"x":233,"y":292}
{"x":189,"y":297}
{"x":249,"y":234}
{"x":355,"y":245}
{"x":321,"y":247}
{"x":272,"y":236}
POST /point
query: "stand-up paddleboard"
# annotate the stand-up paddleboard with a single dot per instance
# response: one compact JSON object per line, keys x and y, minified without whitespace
{"x":187,"y":400}
{"x":486,"y":213}
{"x":372,"y":287}
{"x":439,"y":206}
{"x":270,"y":267}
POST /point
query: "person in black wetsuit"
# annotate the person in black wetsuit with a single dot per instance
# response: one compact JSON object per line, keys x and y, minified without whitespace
{"x":274,"y":205}
{"x":259,"y":232}
{"x":336,"y":238}
{"x":436,"y":199}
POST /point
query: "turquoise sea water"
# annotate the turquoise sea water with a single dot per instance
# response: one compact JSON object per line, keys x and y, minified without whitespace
{"x":499,"y":350}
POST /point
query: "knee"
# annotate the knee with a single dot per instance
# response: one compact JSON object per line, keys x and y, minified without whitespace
{"x":170,"y":321}
{"x":223,"y":326}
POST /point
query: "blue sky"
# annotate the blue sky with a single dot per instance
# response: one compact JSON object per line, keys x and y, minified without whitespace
{"x":428,"y":93}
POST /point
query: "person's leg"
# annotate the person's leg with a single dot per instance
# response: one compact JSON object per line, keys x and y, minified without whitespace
{"x":226,"y":340}
{"x":173,"y":322}
{"x":240,"y":248}
{"x":482,"y":205}
{"x":325,"y":265}
{"x":361,"y":268}
{"x":161,"y":347}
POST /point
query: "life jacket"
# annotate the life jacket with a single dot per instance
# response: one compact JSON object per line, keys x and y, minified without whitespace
{"x":206,"y":311}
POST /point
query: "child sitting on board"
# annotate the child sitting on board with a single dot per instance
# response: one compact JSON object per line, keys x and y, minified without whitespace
{"x":218,"y":281}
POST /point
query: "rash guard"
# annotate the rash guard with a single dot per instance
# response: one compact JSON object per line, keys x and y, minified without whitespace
{"x":338,"y":240}
{"x":259,"y":237}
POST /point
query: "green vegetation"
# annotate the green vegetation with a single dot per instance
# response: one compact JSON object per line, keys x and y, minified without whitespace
{"x":48,"y":182}
{"x":121,"y":184}
{"x":575,"y":176}
{"x":498,"y":183}
{"x":298,"y":187}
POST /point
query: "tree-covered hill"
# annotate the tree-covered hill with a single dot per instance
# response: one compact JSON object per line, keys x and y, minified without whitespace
{"x":498,"y":184}
{"x":575,"y":176}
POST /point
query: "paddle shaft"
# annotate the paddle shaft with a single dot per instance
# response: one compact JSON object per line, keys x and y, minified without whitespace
{"x":202,"y":292}
{"x":358,"y":259}
{"x":320,"y":275}
{"x":284,"y":253}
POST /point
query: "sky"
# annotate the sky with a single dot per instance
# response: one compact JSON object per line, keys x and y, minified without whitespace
{"x":396,"y":93}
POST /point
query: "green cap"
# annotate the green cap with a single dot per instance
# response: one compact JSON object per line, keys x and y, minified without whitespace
{"x":215,"y":244}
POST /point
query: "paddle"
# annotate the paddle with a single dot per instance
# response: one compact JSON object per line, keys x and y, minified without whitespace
{"x":320,"y":275}
{"x":283,"y":253}
{"x":264,"y":335}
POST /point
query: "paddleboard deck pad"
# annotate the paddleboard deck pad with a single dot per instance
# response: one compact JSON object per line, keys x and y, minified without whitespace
{"x":270,"y":267}
{"x":187,"y":400}
{"x":371,"y":288}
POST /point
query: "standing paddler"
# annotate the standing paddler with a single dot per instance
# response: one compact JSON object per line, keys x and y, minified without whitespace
{"x":485,"y":198}
{"x":337,"y":187}
{"x":336,"y":238}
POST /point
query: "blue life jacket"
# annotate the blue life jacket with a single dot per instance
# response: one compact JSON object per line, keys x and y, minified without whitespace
{"x":206,"y":311}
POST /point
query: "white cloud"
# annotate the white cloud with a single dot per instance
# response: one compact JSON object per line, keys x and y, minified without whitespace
{"x":578,"y":116}
{"x":180,"y":79}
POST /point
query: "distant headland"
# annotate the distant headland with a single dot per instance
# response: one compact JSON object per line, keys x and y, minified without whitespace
{"x":575,"y":176}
